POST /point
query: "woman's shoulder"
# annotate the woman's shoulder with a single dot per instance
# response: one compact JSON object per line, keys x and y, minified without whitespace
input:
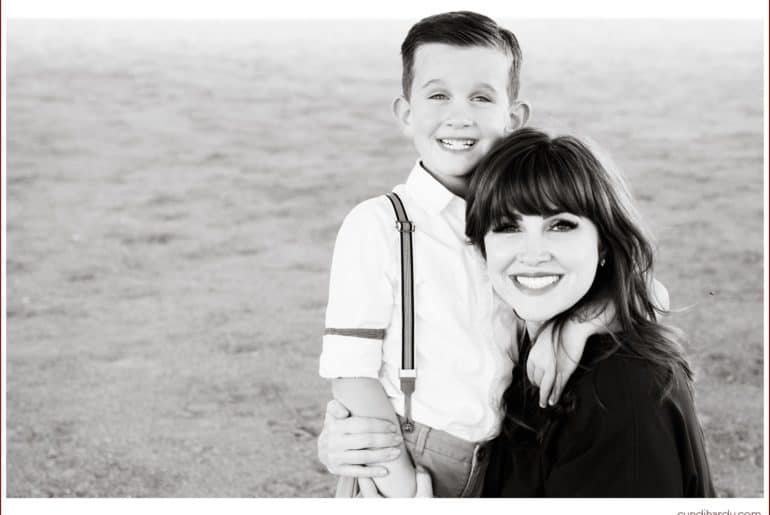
{"x":616,"y":378}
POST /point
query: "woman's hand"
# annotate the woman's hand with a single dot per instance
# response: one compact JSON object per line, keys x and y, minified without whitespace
{"x":422,"y":477}
{"x":347,"y":445}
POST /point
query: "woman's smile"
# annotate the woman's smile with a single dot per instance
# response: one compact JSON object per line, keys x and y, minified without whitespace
{"x":535,"y":284}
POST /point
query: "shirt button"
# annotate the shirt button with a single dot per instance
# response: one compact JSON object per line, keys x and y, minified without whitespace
{"x":481,"y":454}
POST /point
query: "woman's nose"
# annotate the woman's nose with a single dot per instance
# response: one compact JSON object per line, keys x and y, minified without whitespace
{"x":534,"y":252}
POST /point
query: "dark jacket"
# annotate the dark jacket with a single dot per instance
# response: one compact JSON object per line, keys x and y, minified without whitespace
{"x":621,"y":440}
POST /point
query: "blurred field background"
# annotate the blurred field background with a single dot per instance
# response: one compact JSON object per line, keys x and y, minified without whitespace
{"x":173,"y":194}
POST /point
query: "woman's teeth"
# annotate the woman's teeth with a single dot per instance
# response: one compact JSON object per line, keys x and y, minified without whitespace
{"x":536,"y":283}
{"x":457,"y":143}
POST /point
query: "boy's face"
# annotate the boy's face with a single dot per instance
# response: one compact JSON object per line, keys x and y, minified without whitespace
{"x":459,"y":106}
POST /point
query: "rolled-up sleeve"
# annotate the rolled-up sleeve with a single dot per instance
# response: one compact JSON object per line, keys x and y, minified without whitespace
{"x":361,"y":295}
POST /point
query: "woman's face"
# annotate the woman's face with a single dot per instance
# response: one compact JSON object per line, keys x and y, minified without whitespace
{"x":541,"y":266}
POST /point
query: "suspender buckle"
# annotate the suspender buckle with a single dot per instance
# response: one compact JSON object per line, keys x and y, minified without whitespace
{"x":404,"y":226}
{"x":407,"y":377}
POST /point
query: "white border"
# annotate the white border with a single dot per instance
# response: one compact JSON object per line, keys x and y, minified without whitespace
{"x":766,"y":185}
{"x":3,"y":298}
{"x":391,"y":506}
{"x":236,"y":506}
{"x":407,"y":9}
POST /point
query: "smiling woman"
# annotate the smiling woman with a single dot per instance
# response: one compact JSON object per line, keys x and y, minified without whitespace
{"x":561,"y":237}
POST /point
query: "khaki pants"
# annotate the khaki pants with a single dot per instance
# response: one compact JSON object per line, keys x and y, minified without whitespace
{"x":456,"y":466}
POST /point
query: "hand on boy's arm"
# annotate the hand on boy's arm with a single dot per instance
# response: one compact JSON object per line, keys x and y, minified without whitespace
{"x":353,"y":446}
{"x":365,"y":397}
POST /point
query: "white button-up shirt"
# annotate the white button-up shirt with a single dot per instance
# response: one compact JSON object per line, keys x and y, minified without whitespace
{"x":463,"y":333}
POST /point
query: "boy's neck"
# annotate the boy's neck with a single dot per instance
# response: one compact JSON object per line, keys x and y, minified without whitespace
{"x":457,"y":185}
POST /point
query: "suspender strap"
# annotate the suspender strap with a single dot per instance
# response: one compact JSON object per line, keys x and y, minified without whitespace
{"x":407,"y":374}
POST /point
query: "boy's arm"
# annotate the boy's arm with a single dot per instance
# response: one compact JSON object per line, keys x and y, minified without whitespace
{"x":550,"y":366}
{"x":552,"y":361}
{"x":365,"y":397}
{"x":362,"y":285}
{"x":361,"y":296}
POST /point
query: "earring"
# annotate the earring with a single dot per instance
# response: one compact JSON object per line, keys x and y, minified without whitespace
{"x":601,"y":263}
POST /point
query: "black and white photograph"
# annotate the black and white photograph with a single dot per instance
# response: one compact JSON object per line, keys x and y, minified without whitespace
{"x":440,"y":249}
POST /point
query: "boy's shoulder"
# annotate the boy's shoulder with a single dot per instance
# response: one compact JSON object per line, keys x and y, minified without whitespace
{"x":372,"y":220}
{"x":372,"y":210}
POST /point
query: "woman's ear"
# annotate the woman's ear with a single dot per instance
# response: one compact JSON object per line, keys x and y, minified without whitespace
{"x":402,"y":110}
{"x":603,"y":254}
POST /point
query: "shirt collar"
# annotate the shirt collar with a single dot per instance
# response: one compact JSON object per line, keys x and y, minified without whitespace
{"x":432,"y":195}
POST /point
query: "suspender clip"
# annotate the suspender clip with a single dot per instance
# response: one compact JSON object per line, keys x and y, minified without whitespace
{"x":407,"y":377}
{"x":404,"y":226}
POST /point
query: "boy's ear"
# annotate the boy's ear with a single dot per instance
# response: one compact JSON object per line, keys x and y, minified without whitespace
{"x":519,"y":114}
{"x":402,"y":110}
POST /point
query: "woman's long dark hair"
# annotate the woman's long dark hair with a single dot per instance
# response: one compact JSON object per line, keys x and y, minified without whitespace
{"x":531,"y":173}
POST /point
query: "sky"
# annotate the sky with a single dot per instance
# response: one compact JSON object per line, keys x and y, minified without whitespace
{"x":408,"y":9}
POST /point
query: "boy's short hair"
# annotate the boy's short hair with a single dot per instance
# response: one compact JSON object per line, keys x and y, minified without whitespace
{"x":460,"y":28}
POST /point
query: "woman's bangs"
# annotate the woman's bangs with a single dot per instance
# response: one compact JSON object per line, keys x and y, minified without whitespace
{"x":537,"y":188}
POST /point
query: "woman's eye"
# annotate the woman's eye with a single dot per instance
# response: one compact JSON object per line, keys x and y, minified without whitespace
{"x":506,"y":228}
{"x":563,"y":225}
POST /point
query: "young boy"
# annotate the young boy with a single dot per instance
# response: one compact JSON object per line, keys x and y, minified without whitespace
{"x":460,"y":85}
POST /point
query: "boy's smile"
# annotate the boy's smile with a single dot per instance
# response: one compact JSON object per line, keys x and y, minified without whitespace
{"x":458,"y":108}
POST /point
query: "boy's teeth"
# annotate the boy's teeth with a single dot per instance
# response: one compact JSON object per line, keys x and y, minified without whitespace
{"x":457,"y":143}
{"x":536,"y":283}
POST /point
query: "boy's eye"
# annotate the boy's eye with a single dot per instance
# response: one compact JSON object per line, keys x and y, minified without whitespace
{"x":438,"y":96}
{"x":562,"y":225}
{"x":482,"y":98}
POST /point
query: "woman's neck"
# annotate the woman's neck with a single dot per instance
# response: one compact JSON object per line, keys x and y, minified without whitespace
{"x":532,"y":328}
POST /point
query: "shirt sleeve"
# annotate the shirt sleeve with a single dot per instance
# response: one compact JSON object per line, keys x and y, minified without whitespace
{"x":361,"y":295}
{"x":631,"y":444}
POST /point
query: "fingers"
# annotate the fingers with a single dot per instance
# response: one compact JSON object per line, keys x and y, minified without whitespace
{"x":368,"y":488}
{"x":360,"y":425}
{"x":362,"y":457}
{"x":423,"y":483}
{"x":336,"y":410}
{"x":545,"y":385}
{"x":558,"y":387}
{"x":565,"y":365}
{"x":530,"y":370}
{"x":534,"y":373}
{"x":360,"y":471}
{"x":368,"y":441}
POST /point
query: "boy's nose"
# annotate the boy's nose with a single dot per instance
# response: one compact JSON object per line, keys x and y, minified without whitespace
{"x":458,"y":116}
{"x":457,"y":122}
